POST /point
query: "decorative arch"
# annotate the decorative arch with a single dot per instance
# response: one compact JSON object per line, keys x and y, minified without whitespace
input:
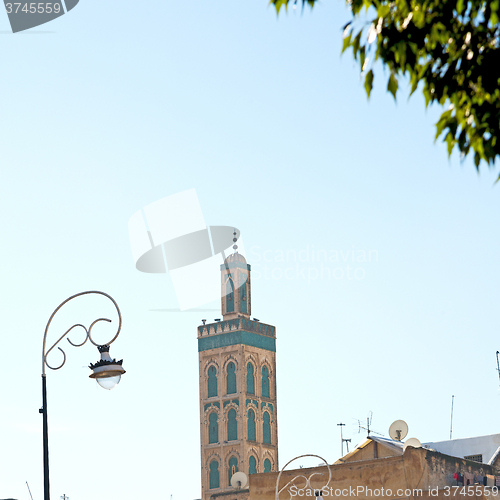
{"x":267,"y":457}
{"x":251,"y":425}
{"x":267,"y":465}
{"x":250,"y":378}
{"x":251,"y":357}
{"x":230,"y":453}
{"x":252,"y":465}
{"x":265,"y":382}
{"x":208,"y":362}
{"x":243,"y":293}
{"x":253,"y":451}
{"x":229,"y":292}
{"x":213,"y":428}
{"x":228,"y":359}
{"x":232,"y":425}
{"x":231,"y":378}
{"x":232,"y":467}
{"x":213,"y":473}
{"x":212,"y":381}
{"x":266,"y":428}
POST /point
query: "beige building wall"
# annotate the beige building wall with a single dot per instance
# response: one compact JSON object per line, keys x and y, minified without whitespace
{"x":418,"y":473}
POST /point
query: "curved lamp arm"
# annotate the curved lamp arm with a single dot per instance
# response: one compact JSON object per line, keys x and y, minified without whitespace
{"x":88,"y":332}
{"x":307,"y":478}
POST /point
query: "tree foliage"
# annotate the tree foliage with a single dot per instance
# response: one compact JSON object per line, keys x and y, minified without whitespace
{"x":449,"y":49}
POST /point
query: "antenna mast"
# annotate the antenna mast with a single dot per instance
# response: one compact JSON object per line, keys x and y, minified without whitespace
{"x":498,"y":366}
{"x":451,"y":420}
{"x":341,"y":440}
{"x":29,"y":490}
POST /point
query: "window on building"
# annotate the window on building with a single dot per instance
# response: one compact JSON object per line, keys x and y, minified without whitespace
{"x":265,"y":382}
{"x":251,"y":425}
{"x":266,"y":428}
{"x":212,"y":382}
{"x":250,"y":379}
{"x":243,"y":295}
{"x":213,"y":428}
{"x":214,"y":474}
{"x":232,"y":425}
{"x":231,"y":378}
{"x":229,"y":295}
{"x":252,"y":465}
{"x":233,"y":467}
{"x":475,"y":458}
{"x":267,"y":465}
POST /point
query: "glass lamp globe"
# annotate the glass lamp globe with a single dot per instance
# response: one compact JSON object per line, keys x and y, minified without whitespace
{"x":108,"y":382}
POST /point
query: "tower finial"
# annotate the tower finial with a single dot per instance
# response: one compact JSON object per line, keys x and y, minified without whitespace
{"x":235,"y":246}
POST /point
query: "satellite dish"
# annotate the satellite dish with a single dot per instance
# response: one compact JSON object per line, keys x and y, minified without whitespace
{"x":239,"y":480}
{"x":398,"y":430}
{"x":412,"y":442}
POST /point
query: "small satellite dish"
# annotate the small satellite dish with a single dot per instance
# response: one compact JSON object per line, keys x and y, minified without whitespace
{"x":398,"y":430}
{"x":412,"y":442}
{"x":239,"y":480}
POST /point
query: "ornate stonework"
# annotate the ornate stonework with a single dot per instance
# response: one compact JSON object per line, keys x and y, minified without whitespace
{"x":228,"y":346}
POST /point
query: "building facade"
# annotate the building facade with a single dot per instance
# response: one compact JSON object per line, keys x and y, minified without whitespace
{"x":381,"y":469}
{"x":237,"y":362}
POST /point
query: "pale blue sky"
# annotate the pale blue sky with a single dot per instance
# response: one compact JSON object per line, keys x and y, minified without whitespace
{"x":117,"y":105}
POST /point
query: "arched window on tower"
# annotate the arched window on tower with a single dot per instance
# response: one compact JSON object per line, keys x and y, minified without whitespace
{"x":250,"y":379}
{"x":267,"y":465}
{"x":252,"y":465}
{"x":229,"y":295}
{"x":213,"y":428}
{"x":233,"y":467}
{"x":214,"y":474}
{"x":232,"y":425}
{"x":266,"y":428}
{"x":251,"y":425}
{"x":265,"y":382}
{"x":231,"y":378}
{"x":212,"y":382}
{"x":243,"y":294}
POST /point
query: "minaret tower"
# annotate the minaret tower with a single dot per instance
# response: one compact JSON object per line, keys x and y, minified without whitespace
{"x":238,"y":414}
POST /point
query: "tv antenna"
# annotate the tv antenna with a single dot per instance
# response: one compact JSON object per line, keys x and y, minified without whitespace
{"x":498,"y":365}
{"x":346,"y":441}
{"x":341,"y":439}
{"x":398,"y":430}
{"x":29,"y":490}
{"x":368,"y":424}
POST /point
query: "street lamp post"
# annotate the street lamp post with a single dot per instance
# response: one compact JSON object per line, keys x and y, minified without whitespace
{"x":106,"y":371}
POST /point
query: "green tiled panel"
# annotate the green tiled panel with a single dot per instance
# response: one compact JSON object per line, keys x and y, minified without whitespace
{"x":235,"y":338}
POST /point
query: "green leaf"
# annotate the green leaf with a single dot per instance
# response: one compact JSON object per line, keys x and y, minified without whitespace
{"x":278,"y":4}
{"x":477,"y":159}
{"x":369,"y":83}
{"x":361,"y":57}
{"x":347,"y":42}
{"x":392,"y":85}
{"x":450,"y":141}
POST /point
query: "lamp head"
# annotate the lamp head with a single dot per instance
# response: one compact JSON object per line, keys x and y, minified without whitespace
{"x":107,"y":371}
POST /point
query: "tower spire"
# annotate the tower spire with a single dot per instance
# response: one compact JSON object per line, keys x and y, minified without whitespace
{"x":235,"y":246}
